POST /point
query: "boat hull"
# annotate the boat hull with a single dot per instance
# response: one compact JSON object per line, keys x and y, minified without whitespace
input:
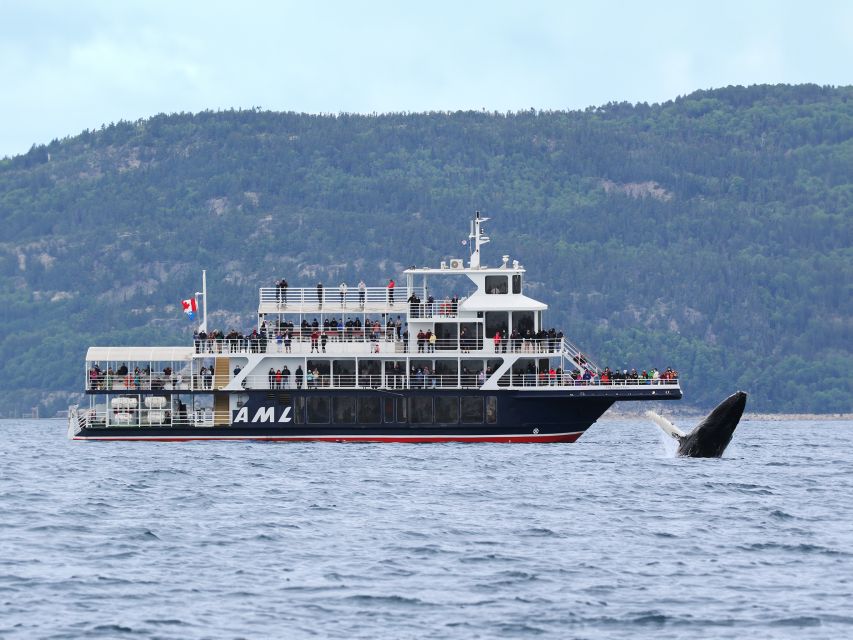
{"x":413,"y":416}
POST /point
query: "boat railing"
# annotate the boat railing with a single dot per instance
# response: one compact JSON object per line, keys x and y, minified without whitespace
{"x":577,"y":357}
{"x":353,"y":297}
{"x":419,"y":378}
{"x":360,"y":341}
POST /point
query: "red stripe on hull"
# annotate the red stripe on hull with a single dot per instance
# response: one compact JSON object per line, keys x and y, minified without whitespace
{"x":563,"y":437}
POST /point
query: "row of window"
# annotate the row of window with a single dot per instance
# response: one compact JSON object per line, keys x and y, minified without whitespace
{"x":498,"y":284}
{"x":412,"y":410}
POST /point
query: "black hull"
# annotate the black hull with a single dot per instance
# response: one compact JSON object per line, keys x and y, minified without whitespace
{"x":508,"y":416}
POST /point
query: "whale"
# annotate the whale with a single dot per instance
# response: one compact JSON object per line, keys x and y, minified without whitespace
{"x":710,"y":437}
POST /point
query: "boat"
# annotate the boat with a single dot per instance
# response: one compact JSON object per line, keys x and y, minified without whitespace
{"x":459,"y":353}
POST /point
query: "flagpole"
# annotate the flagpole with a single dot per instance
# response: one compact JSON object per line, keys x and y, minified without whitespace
{"x":204,"y":301}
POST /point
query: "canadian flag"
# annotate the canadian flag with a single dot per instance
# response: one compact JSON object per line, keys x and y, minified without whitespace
{"x":190,"y":308}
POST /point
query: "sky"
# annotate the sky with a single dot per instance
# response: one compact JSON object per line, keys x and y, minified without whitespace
{"x":66,"y":66}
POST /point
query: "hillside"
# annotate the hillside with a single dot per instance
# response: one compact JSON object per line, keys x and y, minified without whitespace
{"x":711,"y":233}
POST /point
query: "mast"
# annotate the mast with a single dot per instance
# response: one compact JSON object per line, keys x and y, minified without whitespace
{"x":203,"y":294}
{"x":478,"y":238}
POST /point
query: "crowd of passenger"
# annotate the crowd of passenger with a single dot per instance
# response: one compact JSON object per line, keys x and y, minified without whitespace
{"x":138,"y":379}
{"x":279,"y":336}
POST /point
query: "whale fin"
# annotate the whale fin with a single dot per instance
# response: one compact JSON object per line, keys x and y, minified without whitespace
{"x":668,"y":428}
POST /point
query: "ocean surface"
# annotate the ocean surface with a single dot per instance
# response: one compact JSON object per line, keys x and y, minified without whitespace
{"x":610,"y":537}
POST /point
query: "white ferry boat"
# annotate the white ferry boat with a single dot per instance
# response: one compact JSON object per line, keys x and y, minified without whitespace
{"x":411,"y":363}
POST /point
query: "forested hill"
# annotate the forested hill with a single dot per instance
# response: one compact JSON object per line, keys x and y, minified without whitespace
{"x":711,"y":233}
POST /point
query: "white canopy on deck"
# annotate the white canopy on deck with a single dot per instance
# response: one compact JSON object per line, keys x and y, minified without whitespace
{"x":139,"y":354}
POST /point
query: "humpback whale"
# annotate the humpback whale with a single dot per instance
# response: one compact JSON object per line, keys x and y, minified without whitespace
{"x":711,"y":436}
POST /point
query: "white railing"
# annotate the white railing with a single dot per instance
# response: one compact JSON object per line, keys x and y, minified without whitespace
{"x":312,"y":297}
{"x":301,"y":342}
{"x":310,"y":379}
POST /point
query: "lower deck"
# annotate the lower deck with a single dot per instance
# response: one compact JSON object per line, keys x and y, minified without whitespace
{"x":440,"y":415}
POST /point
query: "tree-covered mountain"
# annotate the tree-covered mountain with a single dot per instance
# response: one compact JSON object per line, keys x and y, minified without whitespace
{"x":711,"y":233}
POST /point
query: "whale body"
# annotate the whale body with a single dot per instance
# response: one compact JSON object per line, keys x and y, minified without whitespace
{"x":711,"y":436}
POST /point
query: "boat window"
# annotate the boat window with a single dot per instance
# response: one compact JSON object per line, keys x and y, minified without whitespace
{"x":446,"y":334}
{"x":522,"y":321}
{"x":470,"y":372}
{"x":472,"y":410}
{"x":369,"y":373}
{"x":420,"y":408}
{"x":344,"y":410}
{"x":320,"y":373}
{"x":516,"y":283}
{"x":402,"y":410}
{"x":470,"y":336}
{"x":447,"y":373}
{"x":368,"y":410}
{"x":447,"y":409}
{"x":299,"y":410}
{"x":496,"y":284}
{"x":389,"y":410}
{"x":318,"y":410}
{"x":343,"y":373}
{"x":496,"y":321}
{"x":491,"y":409}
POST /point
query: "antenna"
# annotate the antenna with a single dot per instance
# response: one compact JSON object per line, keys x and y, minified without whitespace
{"x":478,"y":237}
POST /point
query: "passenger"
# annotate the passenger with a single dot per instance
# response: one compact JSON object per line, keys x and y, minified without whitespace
{"x":288,"y":338}
{"x":323,"y":340}
{"x":299,"y":376}
{"x":285,"y":377}
{"x":317,"y":379}
{"x":315,"y":339}
{"x":362,"y":292}
{"x":320,"y":294}
{"x":271,"y":378}
{"x":552,"y":375}
{"x":342,"y":291}
{"x":391,"y":292}
{"x":309,"y":379}
{"x":481,"y":378}
{"x":497,"y":340}
{"x":431,"y":340}
{"x":421,"y":340}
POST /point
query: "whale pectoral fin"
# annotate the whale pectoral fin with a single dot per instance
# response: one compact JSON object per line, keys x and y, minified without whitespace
{"x":668,"y":428}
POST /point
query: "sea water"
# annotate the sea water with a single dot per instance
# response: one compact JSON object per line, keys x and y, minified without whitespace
{"x":610,"y":537}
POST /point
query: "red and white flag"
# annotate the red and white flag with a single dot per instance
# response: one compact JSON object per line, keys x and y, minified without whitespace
{"x":190,"y":308}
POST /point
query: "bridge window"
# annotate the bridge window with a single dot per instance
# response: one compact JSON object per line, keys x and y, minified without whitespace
{"x":472,"y":410}
{"x":344,"y":410}
{"x":368,"y":410}
{"x":496,"y":284}
{"x":516,"y":283}
{"x":447,"y":409}
{"x":318,"y":410}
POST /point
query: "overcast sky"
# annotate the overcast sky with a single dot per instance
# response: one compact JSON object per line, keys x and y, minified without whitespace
{"x":68,"y":66}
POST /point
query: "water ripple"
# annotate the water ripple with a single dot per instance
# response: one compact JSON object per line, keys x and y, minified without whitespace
{"x":608,"y":538}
